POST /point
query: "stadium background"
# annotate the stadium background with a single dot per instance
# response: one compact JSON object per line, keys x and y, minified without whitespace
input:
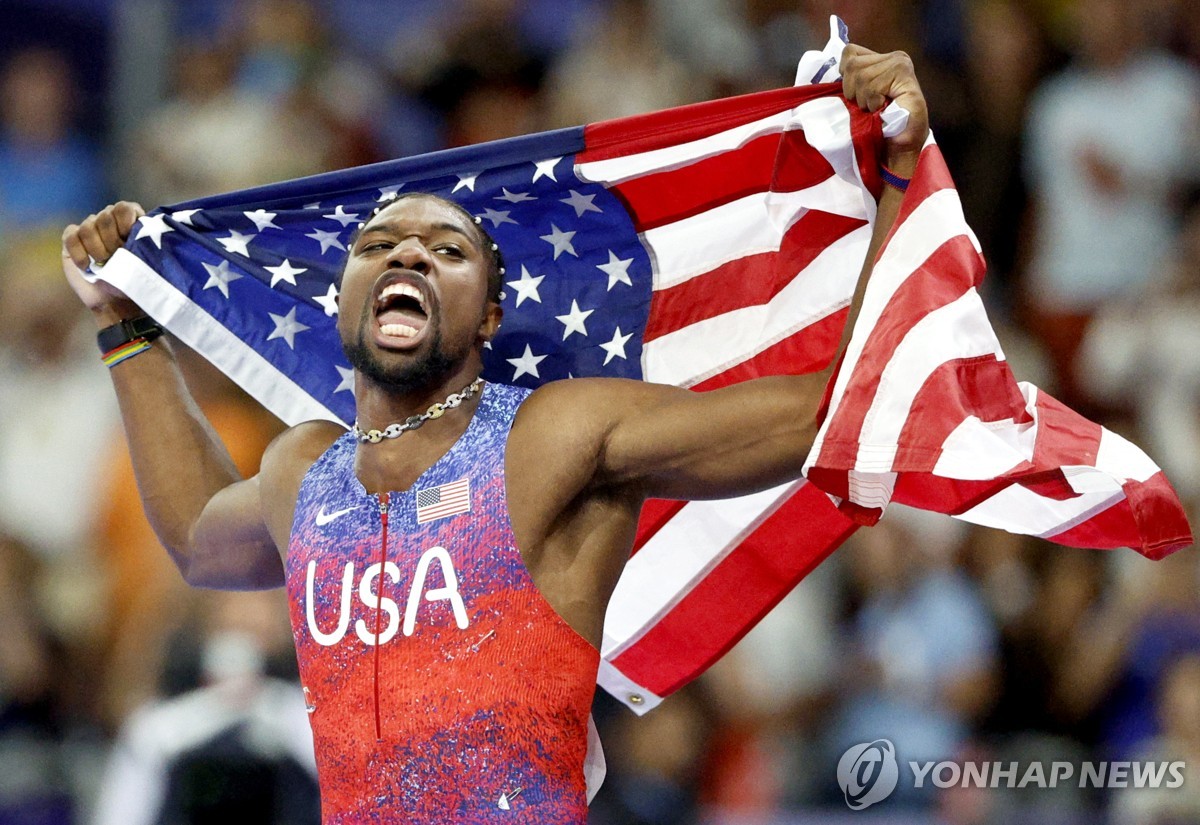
{"x":1071,"y":128}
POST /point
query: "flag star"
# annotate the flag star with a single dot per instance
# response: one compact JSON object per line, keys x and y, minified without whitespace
{"x":184,"y":216}
{"x":581,"y":203}
{"x":262,"y":219}
{"x":285,"y":272}
{"x":153,"y":227}
{"x":514,"y":197}
{"x":342,"y":216}
{"x":561,"y":241}
{"x":328,"y":301}
{"x":326,"y":239}
{"x":313,"y":205}
{"x":220,"y":276}
{"x":527,"y":286}
{"x":616,"y":347}
{"x":545,"y":168}
{"x":617,"y":270}
{"x":237,"y":242}
{"x":286,"y":327}
{"x":347,"y":376}
{"x":387,"y":193}
{"x":527,"y":364}
{"x":573,"y":320}
{"x":465,"y":180}
{"x":498,"y":216}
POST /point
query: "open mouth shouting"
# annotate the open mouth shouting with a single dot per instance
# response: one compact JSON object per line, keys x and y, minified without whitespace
{"x":402,"y":312}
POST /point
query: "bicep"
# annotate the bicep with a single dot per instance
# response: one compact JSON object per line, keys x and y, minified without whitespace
{"x":675,"y":443}
{"x":231,"y":545}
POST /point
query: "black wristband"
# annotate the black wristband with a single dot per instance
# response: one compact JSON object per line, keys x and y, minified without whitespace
{"x":131,"y":329}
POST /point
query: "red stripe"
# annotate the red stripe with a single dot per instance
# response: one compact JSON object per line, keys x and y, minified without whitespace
{"x":657,"y":130}
{"x":750,"y":281}
{"x":942,"y":279}
{"x":1064,"y":436}
{"x":932,"y":176}
{"x":982,"y":386}
{"x":1149,"y":519}
{"x":808,"y":350}
{"x":781,"y":162}
{"x":738,"y":592}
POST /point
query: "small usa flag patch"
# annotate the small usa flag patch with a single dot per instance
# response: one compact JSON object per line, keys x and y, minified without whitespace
{"x":444,"y":501}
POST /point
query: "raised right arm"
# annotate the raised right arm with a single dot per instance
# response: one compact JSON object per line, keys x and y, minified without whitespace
{"x":221,"y":531}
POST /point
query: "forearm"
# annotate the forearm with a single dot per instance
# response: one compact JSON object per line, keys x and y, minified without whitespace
{"x":179,"y":461}
{"x":888,"y":209}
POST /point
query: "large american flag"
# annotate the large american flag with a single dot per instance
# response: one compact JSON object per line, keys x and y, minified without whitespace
{"x":697,"y":246}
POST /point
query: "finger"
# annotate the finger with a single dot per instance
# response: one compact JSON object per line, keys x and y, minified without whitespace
{"x":110,"y":236}
{"x":89,"y":236}
{"x":73,"y":247}
{"x":127,"y":214}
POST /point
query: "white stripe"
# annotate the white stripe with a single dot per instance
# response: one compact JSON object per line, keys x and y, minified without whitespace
{"x":956,"y":330}
{"x":689,"y":355}
{"x":678,"y":556}
{"x":747,"y":226}
{"x":931,"y":225}
{"x":625,"y":690}
{"x":616,"y":170}
{"x":203,"y":333}
{"x":1123,"y":459}
{"x":1019,"y":510}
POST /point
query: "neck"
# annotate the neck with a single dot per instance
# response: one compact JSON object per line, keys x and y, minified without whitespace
{"x":379,"y":405}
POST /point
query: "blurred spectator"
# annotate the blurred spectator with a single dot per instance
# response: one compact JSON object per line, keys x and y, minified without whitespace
{"x":1179,"y":742}
{"x":1112,"y":140}
{"x":273,"y":101}
{"x":1143,"y":353}
{"x":655,"y":762}
{"x":49,"y":457}
{"x":622,"y":70}
{"x":35,"y":786}
{"x":48,"y":172}
{"x":238,"y":749}
{"x":923,"y":648}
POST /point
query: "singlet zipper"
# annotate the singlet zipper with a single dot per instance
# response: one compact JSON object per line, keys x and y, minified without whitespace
{"x":384,"y":501}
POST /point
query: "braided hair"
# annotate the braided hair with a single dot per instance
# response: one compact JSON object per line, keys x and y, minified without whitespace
{"x":486,"y":242}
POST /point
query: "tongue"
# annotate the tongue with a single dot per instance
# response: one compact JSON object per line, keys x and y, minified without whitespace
{"x":408,"y":317}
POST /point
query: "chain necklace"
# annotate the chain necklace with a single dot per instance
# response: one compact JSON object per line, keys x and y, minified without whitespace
{"x":414,"y":421}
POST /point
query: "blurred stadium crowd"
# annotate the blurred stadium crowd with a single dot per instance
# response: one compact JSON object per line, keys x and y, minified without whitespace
{"x":1071,"y":128}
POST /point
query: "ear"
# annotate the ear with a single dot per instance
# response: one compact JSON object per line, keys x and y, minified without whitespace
{"x":493,"y":314}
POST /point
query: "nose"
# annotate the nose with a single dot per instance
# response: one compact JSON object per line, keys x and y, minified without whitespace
{"x":410,"y":253}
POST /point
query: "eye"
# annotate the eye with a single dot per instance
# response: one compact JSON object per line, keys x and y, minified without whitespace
{"x":374,"y":245}
{"x":450,"y":249}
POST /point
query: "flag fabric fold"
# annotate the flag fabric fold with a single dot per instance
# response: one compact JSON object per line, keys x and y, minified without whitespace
{"x":697,"y":246}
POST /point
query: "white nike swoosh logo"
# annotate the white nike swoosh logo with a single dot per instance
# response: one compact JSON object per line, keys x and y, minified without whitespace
{"x":323,"y":518}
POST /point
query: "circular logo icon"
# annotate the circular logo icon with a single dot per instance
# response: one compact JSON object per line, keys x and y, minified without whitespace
{"x":868,"y":773}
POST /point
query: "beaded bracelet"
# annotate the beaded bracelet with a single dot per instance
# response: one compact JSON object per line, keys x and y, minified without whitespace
{"x":893,"y":180}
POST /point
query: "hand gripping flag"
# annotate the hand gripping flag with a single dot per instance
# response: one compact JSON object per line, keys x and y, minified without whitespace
{"x":696,"y":246}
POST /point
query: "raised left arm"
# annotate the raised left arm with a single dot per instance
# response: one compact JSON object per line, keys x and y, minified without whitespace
{"x":667,"y":442}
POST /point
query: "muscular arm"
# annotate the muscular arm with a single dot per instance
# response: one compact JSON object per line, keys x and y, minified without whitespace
{"x":667,"y":442}
{"x":221,"y":531}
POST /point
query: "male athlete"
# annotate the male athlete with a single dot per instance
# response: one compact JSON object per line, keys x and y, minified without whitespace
{"x":448,"y":581}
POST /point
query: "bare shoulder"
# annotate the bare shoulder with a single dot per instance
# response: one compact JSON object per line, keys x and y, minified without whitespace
{"x":287,"y":458}
{"x":561,"y":430}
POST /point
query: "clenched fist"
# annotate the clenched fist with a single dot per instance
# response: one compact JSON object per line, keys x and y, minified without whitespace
{"x":873,"y":80}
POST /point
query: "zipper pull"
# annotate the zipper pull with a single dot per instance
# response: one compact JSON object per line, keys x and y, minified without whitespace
{"x":384,"y":501}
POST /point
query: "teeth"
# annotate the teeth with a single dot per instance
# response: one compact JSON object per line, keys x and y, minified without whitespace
{"x":398,"y":330}
{"x":407,"y":290}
